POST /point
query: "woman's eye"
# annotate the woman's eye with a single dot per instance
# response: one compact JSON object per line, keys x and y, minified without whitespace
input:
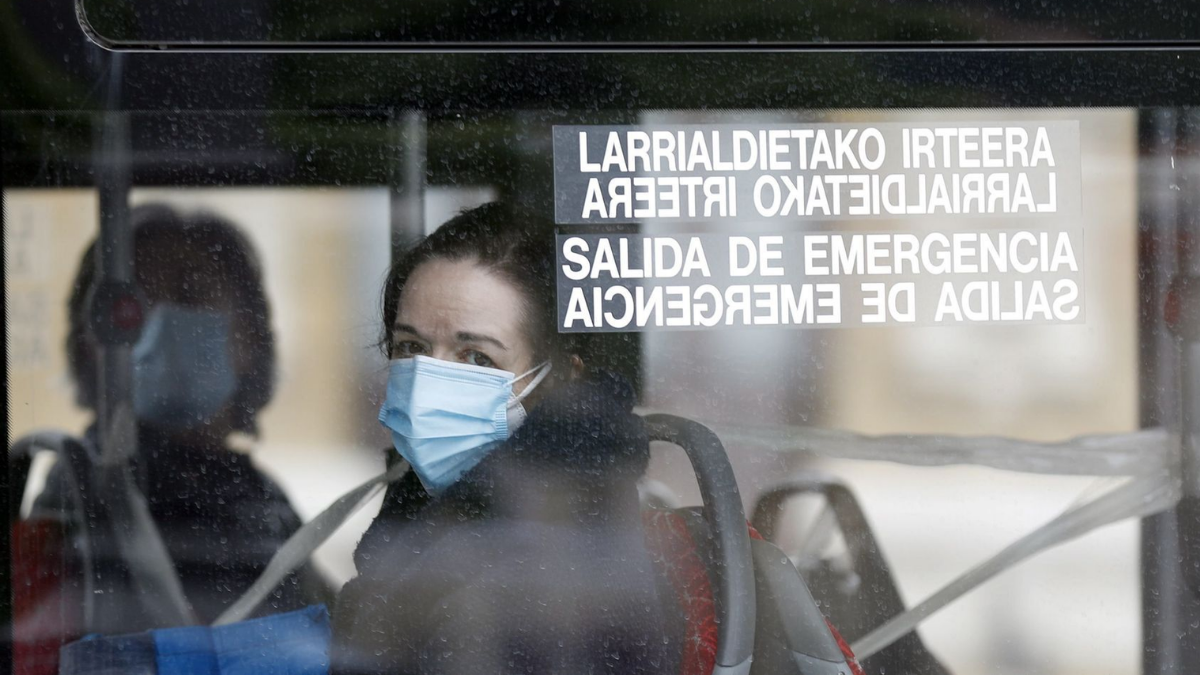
{"x":479,"y":359}
{"x":406,"y":348}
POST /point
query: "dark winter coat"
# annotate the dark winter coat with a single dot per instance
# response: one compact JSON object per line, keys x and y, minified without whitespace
{"x":534,"y":562}
{"x":221,"y":520}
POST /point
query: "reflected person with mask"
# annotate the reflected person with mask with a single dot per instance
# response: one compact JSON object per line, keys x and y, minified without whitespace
{"x":204,"y":367}
{"x":515,"y":543}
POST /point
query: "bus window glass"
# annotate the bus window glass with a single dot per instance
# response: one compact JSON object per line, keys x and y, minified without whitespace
{"x":443,"y":363}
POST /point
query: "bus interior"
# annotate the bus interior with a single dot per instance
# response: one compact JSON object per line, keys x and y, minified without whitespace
{"x":990,"y":497}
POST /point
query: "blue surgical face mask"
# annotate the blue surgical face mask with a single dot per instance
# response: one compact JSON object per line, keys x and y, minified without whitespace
{"x":183,"y":374}
{"x":445,"y":417}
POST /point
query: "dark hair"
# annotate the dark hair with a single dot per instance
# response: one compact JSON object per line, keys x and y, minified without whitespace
{"x":213,"y":235}
{"x":516,"y":245}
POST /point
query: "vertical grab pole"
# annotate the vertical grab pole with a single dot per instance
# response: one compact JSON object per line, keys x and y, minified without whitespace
{"x":1161,"y":578}
{"x":1182,"y":311}
{"x":116,"y":316}
{"x":116,"y":431}
{"x":1183,"y":316}
{"x":1169,"y":270}
{"x":407,"y":202}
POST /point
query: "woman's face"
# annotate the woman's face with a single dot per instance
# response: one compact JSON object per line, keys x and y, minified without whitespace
{"x":190,"y":276}
{"x":459,"y":311}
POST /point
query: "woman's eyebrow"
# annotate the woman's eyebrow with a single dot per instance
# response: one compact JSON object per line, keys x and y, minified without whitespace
{"x":405,"y":328}
{"x":476,"y":337}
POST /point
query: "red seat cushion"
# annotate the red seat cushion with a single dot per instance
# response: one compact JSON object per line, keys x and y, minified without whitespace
{"x":855,"y":668}
{"x":47,"y":607}
{"x":675,"y":552}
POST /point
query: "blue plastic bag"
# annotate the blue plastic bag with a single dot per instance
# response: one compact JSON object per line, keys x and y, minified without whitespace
{"x":296,"y":643}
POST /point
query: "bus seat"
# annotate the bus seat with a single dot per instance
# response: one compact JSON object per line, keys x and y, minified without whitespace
{"x":792,"y":635}
{"x":47,"y":605}
{"x":724,"y":564}
{"x":65,"y":583}
{"x":861,"y":603}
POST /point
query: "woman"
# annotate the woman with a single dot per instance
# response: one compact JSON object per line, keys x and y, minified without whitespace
{"x":204,"y":367}
{"x":515,"y":543}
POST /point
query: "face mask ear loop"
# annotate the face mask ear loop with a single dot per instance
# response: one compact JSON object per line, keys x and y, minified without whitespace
{"x":545,"y":368}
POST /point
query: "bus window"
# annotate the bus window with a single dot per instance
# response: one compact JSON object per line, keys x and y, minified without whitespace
{"x":423,"y":348}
